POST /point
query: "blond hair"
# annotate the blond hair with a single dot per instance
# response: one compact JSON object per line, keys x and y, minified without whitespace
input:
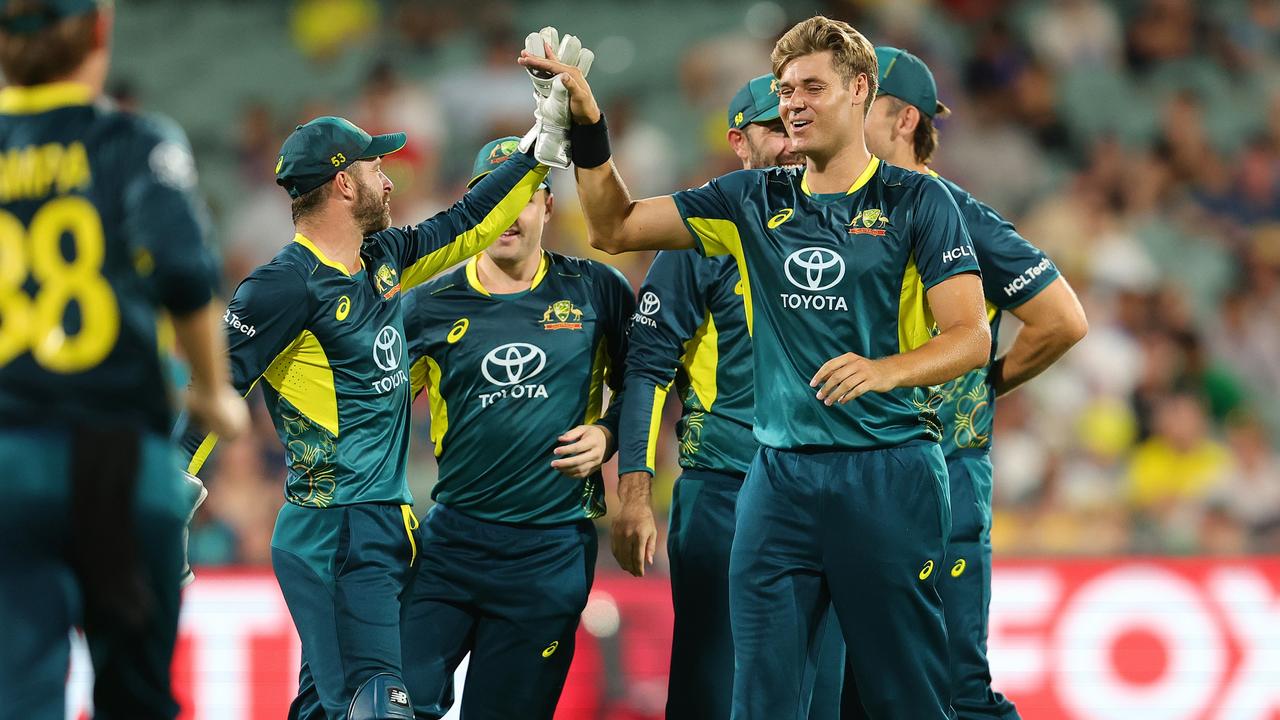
{"x":851,"y":53}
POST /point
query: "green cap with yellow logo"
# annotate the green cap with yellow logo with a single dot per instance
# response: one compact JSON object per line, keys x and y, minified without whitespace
{"x":907,"y":78}
{"x":757,"y":101}
{"x":40,"y":15}
{"x":317,"y":151}
{"x":494,"y":154}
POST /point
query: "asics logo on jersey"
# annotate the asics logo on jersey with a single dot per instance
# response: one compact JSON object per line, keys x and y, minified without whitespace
{"x":926,"y":571}
{"x":510,"y":367}
{"x":649,"y":303}
{"x":388,"y":346}
{"x":958,"y":569}
{"x":513,"y":363}
{"x":781,"y":217}
{"x":814,"y":268}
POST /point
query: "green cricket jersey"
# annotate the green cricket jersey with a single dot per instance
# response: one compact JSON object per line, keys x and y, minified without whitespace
{"x":830,"y":274}
{"x":690,"y":329}
{"x":330,"y":345}
{"x":508,"y":374}
{"x":1013,"y":272}
{"x":99,"y":230}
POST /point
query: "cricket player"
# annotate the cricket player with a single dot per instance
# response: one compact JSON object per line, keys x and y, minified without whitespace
{"x":514,"y":350}
{"x":691,"y":329}
{"x":1016,"y":277}
{"x":847,"y":265}
{"x":102,"y":266}
{"x":321,"y":325}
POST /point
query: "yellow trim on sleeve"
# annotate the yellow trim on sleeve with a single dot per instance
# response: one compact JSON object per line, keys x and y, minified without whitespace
{"x":202,"y":453}
{"x":473,"y":274}
{"x":915,"y":319}
{"x":305,"y":242}
{"x":655,"y":426}
{"x":724,"y":235}
{"x":29,"y":100}
{"x":701,"y":358}
{"x":471,"y":242}
{"x":302,"y":375}
{"x":595,"y":389}
{"x":863,"y":179}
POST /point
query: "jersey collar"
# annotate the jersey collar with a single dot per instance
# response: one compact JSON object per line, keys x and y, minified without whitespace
{"x":473,"y":274}
{"x":306,"y":243}
{"x":863,"y":179}
{"x":32,"y":99}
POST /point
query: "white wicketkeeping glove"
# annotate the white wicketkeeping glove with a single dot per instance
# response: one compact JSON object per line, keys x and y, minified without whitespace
{"x":551,"y":132}
{"x":568,"y":51}
{"x":196,"y":492}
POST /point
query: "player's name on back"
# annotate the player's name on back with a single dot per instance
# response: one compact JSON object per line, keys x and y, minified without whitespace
{"x":35,"y":171}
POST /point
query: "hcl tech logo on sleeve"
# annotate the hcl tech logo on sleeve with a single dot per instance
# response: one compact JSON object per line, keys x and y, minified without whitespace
{"x":814,"y":269}
{"x":649,"y":305}
{"x":510,"y":367}
{"x":388,"y":348}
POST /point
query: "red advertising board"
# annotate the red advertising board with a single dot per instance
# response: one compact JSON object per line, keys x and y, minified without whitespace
{"x":1126,"y":639}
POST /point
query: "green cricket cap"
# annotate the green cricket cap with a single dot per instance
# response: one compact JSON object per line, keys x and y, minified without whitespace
{"x":757,"y":101}
{"x":317,"y":151}
{"x":493,"y":154}
{"x":907,"y":78}
{"x":42,"y":15}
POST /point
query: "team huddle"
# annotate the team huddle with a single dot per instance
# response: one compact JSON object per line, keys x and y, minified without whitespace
{"x":826,"y":317}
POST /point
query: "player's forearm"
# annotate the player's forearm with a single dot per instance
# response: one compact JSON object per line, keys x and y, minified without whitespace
{"x":635,"y":488}
{"x":1036,"y":348}
{"x":1052,"y":322}
{"x":200,"y":336}
{"x":606,"y":203}
{"x":948,"y":355}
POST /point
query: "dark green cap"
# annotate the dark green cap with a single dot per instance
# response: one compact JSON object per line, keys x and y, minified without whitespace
{"x":757,"y":101}
{"x":494,"y":154}
{"x":907,"y":78}
{"x":317,"y":151}
{"x":43,"y":14}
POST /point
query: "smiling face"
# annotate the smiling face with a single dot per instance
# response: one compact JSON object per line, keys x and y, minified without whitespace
{"x":524,"y":237}
{"x":822,"y":111}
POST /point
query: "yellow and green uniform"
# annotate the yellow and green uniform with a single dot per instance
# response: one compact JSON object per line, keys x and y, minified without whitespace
{"x":846,"y":497}
{"x":101,"y":235}
{"x":689,"y":333}
{"x":1013,"y":272}
{"x":329,"y":349}
{"x":508,"y":551}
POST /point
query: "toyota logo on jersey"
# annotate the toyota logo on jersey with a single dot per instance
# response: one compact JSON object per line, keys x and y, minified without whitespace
{"x":386,"y":349}
{"x":814,"y":268}
{"x":513,"y":363}
{"x":649,"y":303}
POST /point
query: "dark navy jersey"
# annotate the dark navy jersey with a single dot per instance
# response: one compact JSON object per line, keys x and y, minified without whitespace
{"x":101,"y":236}
{"x":330,"y":345}
{"x":690,"y":331}
{"x":824,"y":275}
{"x":508,"y":374}
{"x":1013,"y":272}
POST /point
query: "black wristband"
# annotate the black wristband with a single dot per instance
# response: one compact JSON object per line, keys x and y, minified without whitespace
{"x":589,"y":144}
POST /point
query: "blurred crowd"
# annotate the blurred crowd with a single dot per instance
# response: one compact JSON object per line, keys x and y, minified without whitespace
{"x":1138,"y":143}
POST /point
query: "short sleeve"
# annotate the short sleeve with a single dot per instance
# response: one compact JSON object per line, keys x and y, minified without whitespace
{"x":705,"y":210}
{"x":940,"y":240}
{"x":1013,"y":270}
